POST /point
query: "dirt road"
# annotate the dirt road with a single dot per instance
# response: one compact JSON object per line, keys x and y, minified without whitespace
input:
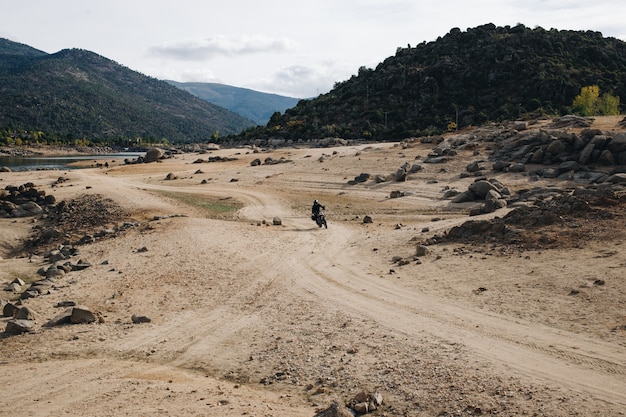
{"x":250,"y":318}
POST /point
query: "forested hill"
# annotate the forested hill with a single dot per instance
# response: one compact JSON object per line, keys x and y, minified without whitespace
{"x":487,"y":73}
{"x":76,"y":94}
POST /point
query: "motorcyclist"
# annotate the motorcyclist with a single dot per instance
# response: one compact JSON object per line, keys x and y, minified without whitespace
{"x":317,"y":207}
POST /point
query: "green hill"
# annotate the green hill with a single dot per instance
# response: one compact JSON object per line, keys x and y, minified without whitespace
{"x":253,"y":105}
{"x":76,"y":94}
{"x":487,"y":73}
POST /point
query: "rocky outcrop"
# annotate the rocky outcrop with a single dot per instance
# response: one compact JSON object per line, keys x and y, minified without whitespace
{"x":491,"y":192}
{"x":362,"y":403}
{"x":24,"y":201}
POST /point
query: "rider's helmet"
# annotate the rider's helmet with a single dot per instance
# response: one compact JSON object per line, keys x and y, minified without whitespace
{"x":315,"y":202}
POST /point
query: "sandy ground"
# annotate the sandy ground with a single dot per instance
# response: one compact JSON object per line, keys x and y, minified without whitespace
{"x":255,"y":319}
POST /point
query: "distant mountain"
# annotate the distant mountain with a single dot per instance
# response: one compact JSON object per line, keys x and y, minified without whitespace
{"x":253,"y":105}
{"x":76,"y":94}
{"x":487,"y":73}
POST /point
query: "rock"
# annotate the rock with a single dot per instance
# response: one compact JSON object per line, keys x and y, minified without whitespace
{"x":86,"y":239}
{"x":464,"y":197}
{"x":363,"y":177}
{"x":335,"y":410}
{"x":452,"y":193}
{"x":80,"y":265}
{"x":18,"y":326}
{"x":18,"y":281}
{"x":54,"y":272}
{"x":31,"y":208}
{"x":618,"y":143}
{"x":568,"y":166}
{"x":481,"y":187}
{"x":255,"y":162}
{"x":606,"y":158}
{"x":66,"y":303}
{"x":25,"y":313}
{"x":585,"y":155}
{"x":56,"y":256}
{"x":137,"y":319}
{"x":422,"y":250}
{"x":367,"y":219}
{"x":5,"y":169}
{"x":500,"y":166}
{"x":473,"y":167}
{"x":60,"y":319}
{"x":518,"y":167}
{"x":519,"y":125}
{"x":403,"y":171}
{"x":9,"y":310}
{"x":153,"y":154}
{"x":493,"y":195}
{"x":13,"y":287}
{"x":415,"y":168}
{"x":363,"y":403}
{"x":82,"y":314}
{"x":619,"y":178}
{"x":276,"y":221}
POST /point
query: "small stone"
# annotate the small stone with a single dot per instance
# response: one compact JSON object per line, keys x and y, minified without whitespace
{"x":137,"y":319}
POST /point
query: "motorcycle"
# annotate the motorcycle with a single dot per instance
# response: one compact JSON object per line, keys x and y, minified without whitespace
{"x":320,"y":219}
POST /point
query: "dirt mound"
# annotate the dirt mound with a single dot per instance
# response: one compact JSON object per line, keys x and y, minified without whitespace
{"x":70,"y":220}
{"x":568,"y":219}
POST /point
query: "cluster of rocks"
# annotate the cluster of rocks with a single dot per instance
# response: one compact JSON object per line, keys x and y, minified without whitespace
{"x":24,"y":201}
{"x":24,"y":319}
{"x":407,"y":168}
{"x":591,"y":156}
{"x":72,"y":222}
{"x":360,"y":404}
{"x":491,"y":192}
{"x":58,"y":263}
{"x":420,"y":251}
{"x":581,"y":153}
{"x":401,"y":174}
{"x":269,"y":161}
{"x":215,"y":159}
{"x":540,"y":210}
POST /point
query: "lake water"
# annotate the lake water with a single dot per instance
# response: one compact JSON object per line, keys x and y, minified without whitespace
{"x":31,"y":163}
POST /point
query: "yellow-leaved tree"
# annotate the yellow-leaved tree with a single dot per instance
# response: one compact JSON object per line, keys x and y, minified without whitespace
{"x":590,"y":103}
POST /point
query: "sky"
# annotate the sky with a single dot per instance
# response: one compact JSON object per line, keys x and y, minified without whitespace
{"x":292,"y":48}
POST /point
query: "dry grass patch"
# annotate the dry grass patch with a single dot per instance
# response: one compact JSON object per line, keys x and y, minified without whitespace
{"x":219,"y":208}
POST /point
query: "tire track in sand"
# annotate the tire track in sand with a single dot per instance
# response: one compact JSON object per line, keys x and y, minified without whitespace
{"x":333,"y":273}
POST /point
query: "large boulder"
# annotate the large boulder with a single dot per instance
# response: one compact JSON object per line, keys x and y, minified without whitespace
{"x":481,"y":188}
{"x":153,"y":154}
{"x":618,"y":143}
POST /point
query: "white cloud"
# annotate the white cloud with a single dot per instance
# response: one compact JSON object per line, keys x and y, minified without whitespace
{"x":220,"y":45}
{"x":303,"y":80}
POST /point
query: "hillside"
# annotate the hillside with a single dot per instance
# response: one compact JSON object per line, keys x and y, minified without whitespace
{"x":75,"y":94}
{"x":487,"y":73}
{"x":253,"y":105}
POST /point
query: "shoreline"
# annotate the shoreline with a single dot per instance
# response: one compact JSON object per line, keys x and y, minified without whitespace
{"x":54,"y":150}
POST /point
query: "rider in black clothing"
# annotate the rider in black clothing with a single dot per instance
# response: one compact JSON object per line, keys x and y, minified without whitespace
{"x":316,"y":208}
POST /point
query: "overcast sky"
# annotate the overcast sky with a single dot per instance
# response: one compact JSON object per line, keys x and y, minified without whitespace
{"x":294,"y":48}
